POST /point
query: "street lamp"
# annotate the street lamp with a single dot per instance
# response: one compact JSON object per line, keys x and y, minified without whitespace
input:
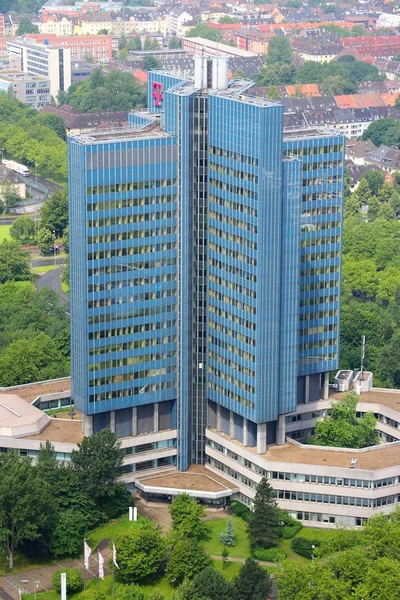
{"x":54,"y":247}
{"x":37,"y":583}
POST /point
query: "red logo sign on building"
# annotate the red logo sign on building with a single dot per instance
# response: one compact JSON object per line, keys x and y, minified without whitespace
{"x":157,"y":93}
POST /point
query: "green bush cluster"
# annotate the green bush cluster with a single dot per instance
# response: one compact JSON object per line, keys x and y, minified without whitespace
{"x":268,"y":554}
{"x":239,"y":509}
{"x":304,"y":547}
{"x":74,"y":580}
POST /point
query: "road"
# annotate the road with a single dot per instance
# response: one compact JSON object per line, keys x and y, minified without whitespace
{"x":52,"y":280}
{"x":45,"y":262}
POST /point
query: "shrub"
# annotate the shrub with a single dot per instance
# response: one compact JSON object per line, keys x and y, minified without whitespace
{"x":289,"y":531}
{"x":268,"y":554}
{"x":238,"y":508}
{"x":304,"y":547}
{"x":74,"y":580}
{"x":228,"y":537}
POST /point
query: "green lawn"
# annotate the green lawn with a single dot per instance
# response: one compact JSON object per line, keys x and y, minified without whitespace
{"x":109,"y":530}
{"x":213,"y":544}
{"x":44,"y":269}
{"x":5,"y":232}
{"x":65,"y":287}
{"x":310,"y":533}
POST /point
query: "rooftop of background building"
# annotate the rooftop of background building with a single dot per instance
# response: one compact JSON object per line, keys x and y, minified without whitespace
{"x":196,"y":478}
{"x":307,"y":133}
{"x":30,"y":391}
{"x":119,"y":134}
{"x":218,"y":46}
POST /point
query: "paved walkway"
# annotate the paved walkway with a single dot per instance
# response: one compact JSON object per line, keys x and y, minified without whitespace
{"x":263,"y":563}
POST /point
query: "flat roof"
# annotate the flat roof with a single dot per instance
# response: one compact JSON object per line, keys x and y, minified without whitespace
{"x":368,"y":459}
{"x":388,"y":398}
{"x":18,"y":418}
{"x":60,"y":430}
{"x":119,"y":134}
{"x":30,"y":391}
{"x":196,"y":478}
{"x":231,"y":50}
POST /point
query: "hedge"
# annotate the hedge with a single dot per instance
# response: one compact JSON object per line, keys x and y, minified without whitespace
{"x":74,"y":580}
{"x":304,"y":547}
{"x":269,"y":554}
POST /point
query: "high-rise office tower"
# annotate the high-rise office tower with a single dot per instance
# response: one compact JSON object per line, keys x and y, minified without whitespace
{"x":205,"y":268}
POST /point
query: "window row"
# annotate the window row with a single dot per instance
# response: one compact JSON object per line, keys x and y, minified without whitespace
{"x":322,"y":164}
{"x":320,"y":241}
{"x":110,"y":379}
{"x":234,"y":254}
{"x":131,"y":251}
{"x":221,"y":312}
{"x":130,"y":186}
{"x":123,"y":346}
{"x":131,"y":391}
{"x":222,"y":391}
{"x":233,"y":270}
{"x":236,"y":173}
{"x":132,"y":202}
{"x":235,"y":335}
{"x":109,"y":317}
{"x":130,"y":235}
{"x":132,"y":219}
{"x":139,"y":265}
{"x":131,"y":283}
{"x":320,"y":255}
{"x":314,"y":150}
{"x":231,"y":364}
{"x":233,"y":189}
{"x":231,"y":380}
{"x":338,"y":500}
{"x":311,"y":272}
{"x":236,"y":239}
{"x":319,"y":300}
{"x":322,"y":314}
{"x":232,"y":302}
{"x":123,"y":300}
{"x":232,"y":205}
{"x":234,"y":287}
{"x":232,"y":222}
{"x":132,"y":360}
{"x":131,"y":329}
{"x":246,"y":160}
{"x":319,"y":285}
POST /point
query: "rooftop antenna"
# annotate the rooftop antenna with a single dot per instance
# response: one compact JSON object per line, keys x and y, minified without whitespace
{"x":362,"y":354}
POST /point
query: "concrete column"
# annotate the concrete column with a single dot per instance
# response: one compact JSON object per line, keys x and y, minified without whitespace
{"x":307,"y":390}
{"x":261,"y":438}
{"x":112,"y":421}
{"x":155,"y":422}
{"x":245,"y":433}
{"x":325,"y":393}
{"x":232,"y":425}
{"x":219,"y":418}
{"x":134,"y":421}
{"x":87,"y":425}
{"x":281,"y":430}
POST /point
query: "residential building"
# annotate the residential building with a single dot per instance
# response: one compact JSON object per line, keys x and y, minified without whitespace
{"x":42,"y":60}
{"x":205,"y":271}
{"x":59,"y":25}
{"x":98,"y":47}
{"x":77,"y":122}
{"x":9,"y":62}
{"x":177,"y":19}
{"x":33,"y":90}
{"x":2,"y":32}
{"x":254,"y":41}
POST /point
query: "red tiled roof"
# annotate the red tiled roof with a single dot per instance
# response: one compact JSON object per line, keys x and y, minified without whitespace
{"x":141,"y":75}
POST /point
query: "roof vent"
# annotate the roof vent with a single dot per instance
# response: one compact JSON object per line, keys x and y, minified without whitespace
{"x":353,"y":463}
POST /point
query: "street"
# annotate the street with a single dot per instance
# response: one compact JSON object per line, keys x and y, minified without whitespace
{"x":52,"y":280}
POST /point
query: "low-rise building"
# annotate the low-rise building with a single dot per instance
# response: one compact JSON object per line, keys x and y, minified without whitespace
{"x":8,"y":62}
{"x":32,"y":90}
{"x":199,"y":46}
{"x":76,"y":121}
{"x":98,"y":47}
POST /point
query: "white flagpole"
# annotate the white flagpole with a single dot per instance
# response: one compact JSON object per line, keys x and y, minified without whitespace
{"x":101,"y":565}
{"x":114,"y":564}
{"x":86,"y":555}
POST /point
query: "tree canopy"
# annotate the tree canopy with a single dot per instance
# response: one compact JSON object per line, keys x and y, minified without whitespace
{"x":279,"y":51}
{"x":113,"y":91}
{"x":383,"y":131}
{"x":343,"y":429}
{"x":205,"y":31}
{"x":14,"y":262}
{"x":187,"y":515}
{"x":264,"y":524}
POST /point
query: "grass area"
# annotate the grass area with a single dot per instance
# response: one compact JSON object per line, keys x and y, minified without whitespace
{"x":310,"y":533}
{"x":213,"y":544}
{"x":44,"y":269}
{"x":48,"y":256}
{"x":110,"y":530}
{"x":5,"y":232}
{"x":65,"y":287}
{"x":22,"y":563}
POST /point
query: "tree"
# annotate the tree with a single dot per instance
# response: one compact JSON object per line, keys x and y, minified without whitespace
{"x":156,"y":595}
{"x":205,"y":31}
{"x":273,"y":93}
{"x":22,"y":514}
{"x":14,"y":262}
{"x":187,"y":515}
{"x":263,"y":527}
{"x":224,"y":556}
{"x":351,"y":206}
{"x":228,"y":537}
{"x":65,"y":240}
{"x":103,"y":31}
{"x":341,"y":428}
{"x":386,"y":212}
{"x":69,"y":533}
{"x":23,"y":230}
{"x":150,"y":44}
{"x":29,"y":360}
{"x":252,"y":583}
{"x":211,"y":584}
{"x":279,"y":51}
{"x":375,"y":180}
{"x":45,"y":240}
{"x":74,"y":580}
{"x":186,"y":559}
{"x":54,"y":122}
{"x":54,"y":212}
{"x":26,"y":26}
{"x":98,"y":462}
{"x":150,"y":63}
{"x":363,"y":192}
{"x":378,"y":131}
{"x":334,"y":85}
{"x":130,"y":592}
{"x":140,"y":552}
{"x":9,"y":195}
{"x":134,"y":43}
{"x":122,"y":42}
{"x":174,"y":43}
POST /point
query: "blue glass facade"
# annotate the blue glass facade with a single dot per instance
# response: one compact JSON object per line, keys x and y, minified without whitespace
{"x":205,"y":263}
